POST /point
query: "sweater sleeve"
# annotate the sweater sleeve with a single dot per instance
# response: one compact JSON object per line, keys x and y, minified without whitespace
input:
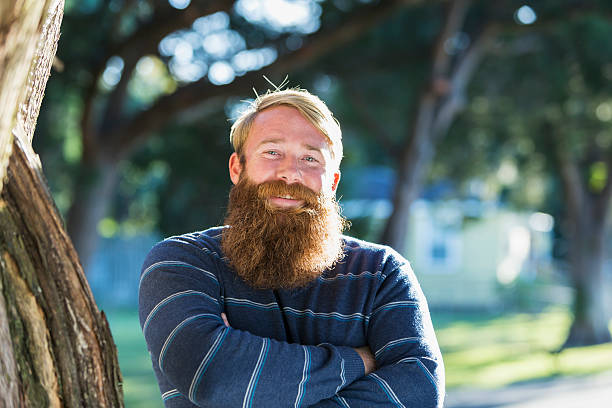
{"x":410,"y":370}
{"x":198,"y":359}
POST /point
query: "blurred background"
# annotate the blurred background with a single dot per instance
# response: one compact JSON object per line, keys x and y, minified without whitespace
{"x":478,"y":143}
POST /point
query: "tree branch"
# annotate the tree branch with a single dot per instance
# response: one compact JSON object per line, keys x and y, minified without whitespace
{"x":453,"y":23}
{"x":419,"y":149}
{"x":166,"y":20}
{"x":319,"y":44}
{"x":142,"y":42}
{"x":461,"y":77}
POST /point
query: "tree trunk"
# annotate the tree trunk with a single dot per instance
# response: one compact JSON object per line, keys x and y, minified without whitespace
{"x":587,"y":213}
{"x":437,"y":108}
{"x":415,"y":157}
{"x":590,"y":325}
{"x":55,"y":346}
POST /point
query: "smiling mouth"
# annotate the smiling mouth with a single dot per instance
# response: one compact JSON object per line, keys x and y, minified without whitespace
{"x":285,"y":201}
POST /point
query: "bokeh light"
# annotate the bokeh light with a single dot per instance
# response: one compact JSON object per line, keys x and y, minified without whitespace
{"x":179,"y":4}
{"x":525,"y":15}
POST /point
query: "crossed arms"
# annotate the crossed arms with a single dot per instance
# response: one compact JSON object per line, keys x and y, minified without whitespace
{"x":205,"y":362}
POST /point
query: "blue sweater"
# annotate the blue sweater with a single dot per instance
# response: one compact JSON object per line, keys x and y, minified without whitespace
{"x":287,"y":348}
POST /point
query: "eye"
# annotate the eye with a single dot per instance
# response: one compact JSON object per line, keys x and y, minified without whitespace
{"x":271,"y":152}
{"x":310,"y":159}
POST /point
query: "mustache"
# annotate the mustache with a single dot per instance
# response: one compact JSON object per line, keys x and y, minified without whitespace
{"x":297,"y":191}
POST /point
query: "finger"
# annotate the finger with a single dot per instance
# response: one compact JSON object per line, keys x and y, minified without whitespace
{"x":224,"y":317}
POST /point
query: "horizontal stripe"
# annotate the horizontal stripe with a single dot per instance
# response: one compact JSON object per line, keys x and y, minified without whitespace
{"x":179,"y":264}
{"x":190,"y":238}
{"x":393,"y":305}
{"x":169,"y":299}
{"x":297,"y":312}
{"x":247,"y":302}
{"x":173,"y":393}
{"x":351,"y":276}
{"x":326,"y":315}
{"x":194,"y":240}
{"x":184,"y":239}
{"x":394,"y":343}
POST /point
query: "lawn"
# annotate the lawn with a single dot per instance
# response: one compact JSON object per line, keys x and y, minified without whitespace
{"x":479,"y":350}
{"x":496,"y":350}
{"x":139,"y":385}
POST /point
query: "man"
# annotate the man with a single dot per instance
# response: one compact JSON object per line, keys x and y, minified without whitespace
{"x":278,"y":308}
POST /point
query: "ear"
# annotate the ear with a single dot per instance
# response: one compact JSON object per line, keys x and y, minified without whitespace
{"x":235,"y":168}
{"x":336,"y":180}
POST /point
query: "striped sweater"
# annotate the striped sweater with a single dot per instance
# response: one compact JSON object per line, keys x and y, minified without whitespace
{"x":287,"y":348}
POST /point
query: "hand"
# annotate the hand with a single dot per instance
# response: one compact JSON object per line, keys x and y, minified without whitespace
{"x":367,"y":357}
{"x":224,"y":317}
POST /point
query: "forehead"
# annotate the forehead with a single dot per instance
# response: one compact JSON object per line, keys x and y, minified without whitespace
{"x":285,"y":124}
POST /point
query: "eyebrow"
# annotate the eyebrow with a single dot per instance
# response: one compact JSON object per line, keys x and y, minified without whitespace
{"x":278,"y":140}
{"x":269,"y":141}
{"x":314,"y":148}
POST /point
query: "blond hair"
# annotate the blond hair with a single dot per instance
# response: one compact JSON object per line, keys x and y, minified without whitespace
{"x":310,"y":106}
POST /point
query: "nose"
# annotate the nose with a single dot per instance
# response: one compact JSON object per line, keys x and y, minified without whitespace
{"x":288,"y":170}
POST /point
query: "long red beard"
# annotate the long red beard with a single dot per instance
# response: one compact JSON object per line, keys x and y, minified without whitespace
{"x":271,"y":247}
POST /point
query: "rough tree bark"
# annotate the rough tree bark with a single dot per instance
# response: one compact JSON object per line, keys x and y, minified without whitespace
{"x":587,"y":216}
{"x":440,"y":101}
{"x":55,"y":346}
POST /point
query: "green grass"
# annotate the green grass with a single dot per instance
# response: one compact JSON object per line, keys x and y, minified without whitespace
{"x":485,"y":351}
{"x":139,"y":384}
{"x":494,"y":351}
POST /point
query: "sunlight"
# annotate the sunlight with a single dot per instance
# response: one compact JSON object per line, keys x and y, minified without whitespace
{"x":223,"y":44}
{"x":507,"y":172}
{"x":183,"y":52}
{"x":541,"y":222}
{"x":235,"y":107}
{"x":145,"y":66}
{"x":323,"y":84}
{"x":112,"y":72}
{"x":252,"y":60}
{"x":190,"y":71}
{"x":282,"y":15}
{"x":179,"y":4}
{"x":212,"y":47}
{"x":150,"y":80}
{"x":519,"y":245}
{"x":221,"y":73}
{"x":525,"y":15}
{"x":604,"y":111}
{"x":214,"y":22}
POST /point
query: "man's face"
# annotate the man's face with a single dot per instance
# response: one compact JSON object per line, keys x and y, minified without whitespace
{"x":283,"y":145}
{"x":284,"y":225}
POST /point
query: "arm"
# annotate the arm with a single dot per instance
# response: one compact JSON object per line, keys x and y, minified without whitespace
{"x":180,"y":302}
{"x":410,"y":371}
